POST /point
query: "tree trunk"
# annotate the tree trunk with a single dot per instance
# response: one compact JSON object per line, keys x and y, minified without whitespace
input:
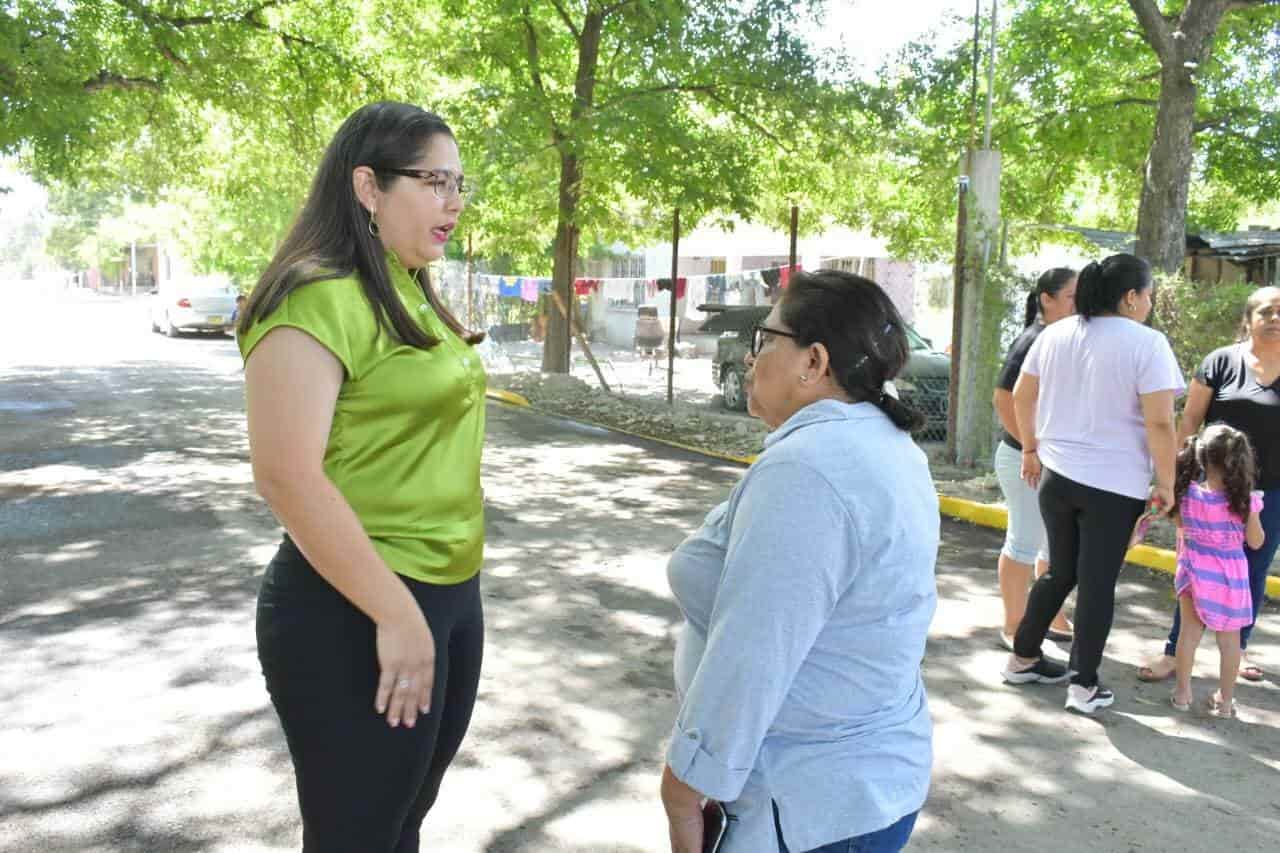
{"x":1182,"y":47}
{"x":555,"y":349}
{"x":1162,"y":212}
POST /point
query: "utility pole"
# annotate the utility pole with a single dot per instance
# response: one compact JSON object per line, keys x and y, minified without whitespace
{"x":671,"y":333}
{"x":974,"y":353}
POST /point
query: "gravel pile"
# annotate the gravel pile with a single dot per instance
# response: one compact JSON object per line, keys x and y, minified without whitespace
{"x":696,"y":425}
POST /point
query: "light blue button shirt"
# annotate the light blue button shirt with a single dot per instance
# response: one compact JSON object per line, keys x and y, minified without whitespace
{"x":807,"y":598}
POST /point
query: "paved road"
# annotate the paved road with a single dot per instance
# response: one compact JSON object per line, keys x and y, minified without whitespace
{"x":134,"y":717}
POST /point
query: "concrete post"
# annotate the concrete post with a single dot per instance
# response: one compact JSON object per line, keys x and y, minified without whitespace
{"x":979,"y":359}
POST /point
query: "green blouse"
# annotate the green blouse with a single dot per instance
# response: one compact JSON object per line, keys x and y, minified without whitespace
{"x":408,"y":427}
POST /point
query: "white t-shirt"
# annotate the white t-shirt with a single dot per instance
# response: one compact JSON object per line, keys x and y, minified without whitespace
{"x":1089,"y":423}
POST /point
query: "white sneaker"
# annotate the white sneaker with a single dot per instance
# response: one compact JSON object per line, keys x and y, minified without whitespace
{"x":1086,"y":700}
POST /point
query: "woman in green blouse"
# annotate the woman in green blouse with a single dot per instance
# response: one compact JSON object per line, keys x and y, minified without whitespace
{"x":366,"y":421}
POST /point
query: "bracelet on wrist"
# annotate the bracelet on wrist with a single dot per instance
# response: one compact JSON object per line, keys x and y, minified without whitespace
{"x":1026,"y":452}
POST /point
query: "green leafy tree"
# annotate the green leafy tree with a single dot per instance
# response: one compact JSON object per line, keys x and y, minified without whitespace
{"x":628,"y":109}
{"x":1079,"y":122}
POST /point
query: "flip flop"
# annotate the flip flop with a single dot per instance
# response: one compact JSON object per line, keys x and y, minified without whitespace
{"x":1217,"y":708}
{"x":1251,"y":672}
{"x":1146,"y":673}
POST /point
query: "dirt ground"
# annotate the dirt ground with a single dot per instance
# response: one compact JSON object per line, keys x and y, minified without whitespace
{"x":134,"y":716}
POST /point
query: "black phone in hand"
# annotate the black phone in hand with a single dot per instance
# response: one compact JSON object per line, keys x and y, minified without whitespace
{"x":715,"y":822}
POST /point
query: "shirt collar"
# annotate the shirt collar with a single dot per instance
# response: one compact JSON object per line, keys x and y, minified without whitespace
{"x":819,"y":412}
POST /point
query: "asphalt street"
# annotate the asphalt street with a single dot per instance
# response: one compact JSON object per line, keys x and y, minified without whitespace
{"x":133,"y":715}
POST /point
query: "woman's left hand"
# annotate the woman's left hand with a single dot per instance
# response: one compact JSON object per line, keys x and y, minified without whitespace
{"x":684,"y":813}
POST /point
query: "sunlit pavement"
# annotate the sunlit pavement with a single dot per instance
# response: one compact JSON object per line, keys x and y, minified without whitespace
{"x":134,"y":717}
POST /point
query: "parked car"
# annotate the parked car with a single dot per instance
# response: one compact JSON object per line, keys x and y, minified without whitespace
{"x":924,"y":383}
{"x":198,"y":303}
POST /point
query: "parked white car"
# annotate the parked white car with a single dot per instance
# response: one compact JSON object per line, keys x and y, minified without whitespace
{"x":201,"y":304}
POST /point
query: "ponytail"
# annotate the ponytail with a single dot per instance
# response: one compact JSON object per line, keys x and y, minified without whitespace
{"x":1238,"y":471}
{"x":1101,"y":286}
{"x":902,"y":415}
{"x":1033,"y":309}
{"x":1189,"y":468}
{"x":1050,"y":283}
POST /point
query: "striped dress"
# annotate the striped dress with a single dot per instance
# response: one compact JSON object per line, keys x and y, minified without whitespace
{"x":1211,"y":564}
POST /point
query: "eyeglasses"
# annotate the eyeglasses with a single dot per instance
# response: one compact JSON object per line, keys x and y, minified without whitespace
{"x":443,"y":183}
{"x":757,"y":337}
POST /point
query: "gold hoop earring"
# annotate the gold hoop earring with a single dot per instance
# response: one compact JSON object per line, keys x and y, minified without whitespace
{"x":374,"y":230}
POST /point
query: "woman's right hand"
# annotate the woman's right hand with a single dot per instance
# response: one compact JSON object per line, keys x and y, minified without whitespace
{"x":1031,"y":468}
{"x":407,"y":664}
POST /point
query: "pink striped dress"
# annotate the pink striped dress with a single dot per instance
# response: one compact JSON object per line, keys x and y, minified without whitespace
{"x":1211,"y":562}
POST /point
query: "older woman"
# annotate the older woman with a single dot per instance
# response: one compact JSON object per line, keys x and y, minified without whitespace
{"x":1239,"y":385}
{"x":807,"y":597}
{"x":1095,"y":411}
{"x":1052,"y":299}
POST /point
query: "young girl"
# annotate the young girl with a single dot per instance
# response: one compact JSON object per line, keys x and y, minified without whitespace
{"x":1215,"y":518}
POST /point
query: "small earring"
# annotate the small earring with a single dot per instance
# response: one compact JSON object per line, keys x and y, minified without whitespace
{"x":373,"y":225}
{"x":804,"y":377}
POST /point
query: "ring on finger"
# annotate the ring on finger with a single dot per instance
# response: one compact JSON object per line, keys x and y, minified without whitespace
{"x":404,"y":683}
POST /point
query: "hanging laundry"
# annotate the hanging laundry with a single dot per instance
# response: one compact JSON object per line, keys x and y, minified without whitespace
{"x":697,"y":293}
{"x":529,"y":289}
{"x":650,"y":289}
{"x":544,"y":285}
{"x":586,"y":286}
{"x":785,"y":275}
{"x":505,"y":289}
{"x":681,"y":284}
{"x":619,"y":289}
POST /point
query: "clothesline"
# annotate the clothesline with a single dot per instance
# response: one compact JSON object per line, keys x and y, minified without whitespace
{"x":627,"y":289}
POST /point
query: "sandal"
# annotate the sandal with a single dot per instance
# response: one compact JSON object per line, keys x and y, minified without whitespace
{"x":1251,"y":672}
{"x":1179,"y":706}
{"x":1217,"y":708}
{"x":1149,"y":673}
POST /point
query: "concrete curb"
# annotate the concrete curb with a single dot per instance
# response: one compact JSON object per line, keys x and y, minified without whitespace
{"x":986,"y":515}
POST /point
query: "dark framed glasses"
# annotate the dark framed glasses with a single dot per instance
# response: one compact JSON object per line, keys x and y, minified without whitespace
{"x":444,"y":184}
{"x":758,"y":340}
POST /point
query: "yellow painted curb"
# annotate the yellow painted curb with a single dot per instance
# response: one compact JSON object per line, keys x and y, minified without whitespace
{"x":510,"y":397}
{"x":986,"y":515}
{"x":994,"y":515}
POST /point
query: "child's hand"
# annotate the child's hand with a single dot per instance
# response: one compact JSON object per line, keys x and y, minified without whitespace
{"x":1161,"y":500}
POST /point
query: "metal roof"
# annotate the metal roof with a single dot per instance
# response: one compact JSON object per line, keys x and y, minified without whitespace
{"x":1256,"y":243}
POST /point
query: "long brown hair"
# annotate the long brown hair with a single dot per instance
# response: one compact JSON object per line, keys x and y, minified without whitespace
{"x":1226,"y":449}
{"x":331,"y":237}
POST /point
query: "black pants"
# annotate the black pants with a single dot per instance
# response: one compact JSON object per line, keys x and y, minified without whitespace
{"x":1088,"y":531}
{"x":363,"y":786}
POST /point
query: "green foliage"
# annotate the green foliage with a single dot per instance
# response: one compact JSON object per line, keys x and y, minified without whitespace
{"x":1198,"y":317}
{"x":1075,"y":95}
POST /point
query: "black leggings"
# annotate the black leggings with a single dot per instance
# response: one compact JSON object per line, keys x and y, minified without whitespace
{"x":363,"y":786}
{"x":1088,"y":531}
